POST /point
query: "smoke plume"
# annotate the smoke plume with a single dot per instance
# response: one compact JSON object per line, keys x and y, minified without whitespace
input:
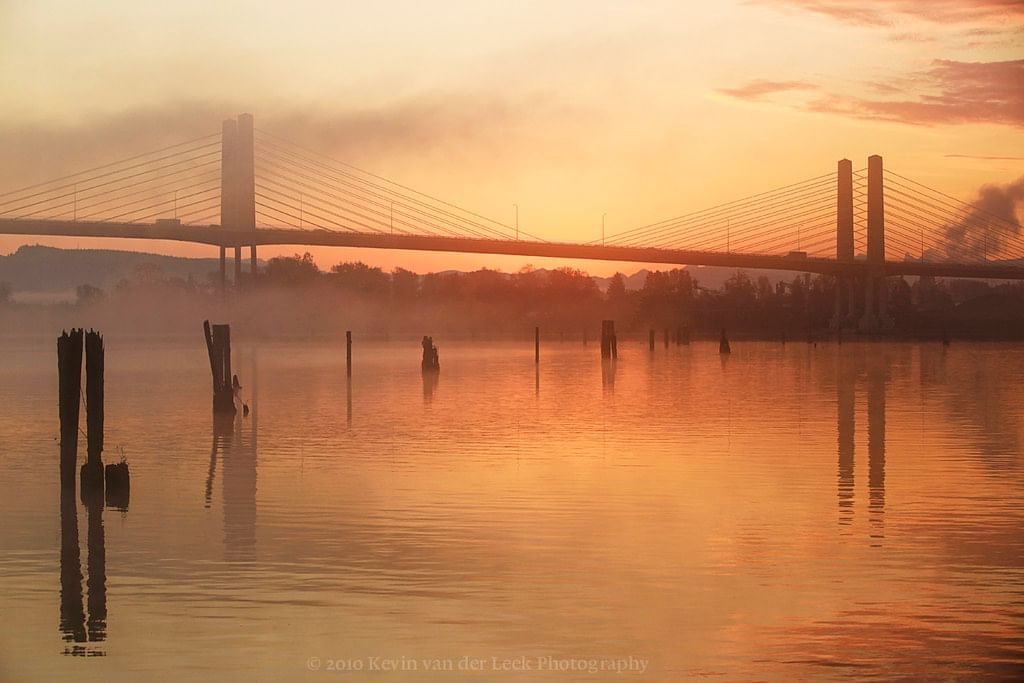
{"x":991,"y":228}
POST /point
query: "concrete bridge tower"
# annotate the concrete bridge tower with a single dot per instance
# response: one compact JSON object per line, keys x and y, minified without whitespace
{"x":238,"y":189}
{"x":875,"y":287}
{"x":845,"y":312}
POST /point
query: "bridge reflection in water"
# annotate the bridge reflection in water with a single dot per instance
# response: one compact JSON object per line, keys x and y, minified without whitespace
{"x":875,"y":370}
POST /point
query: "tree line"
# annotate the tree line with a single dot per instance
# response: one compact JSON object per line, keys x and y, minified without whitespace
{"x":564,"y":301}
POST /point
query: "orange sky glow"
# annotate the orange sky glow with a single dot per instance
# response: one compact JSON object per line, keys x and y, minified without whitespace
{"x":569,"y":109}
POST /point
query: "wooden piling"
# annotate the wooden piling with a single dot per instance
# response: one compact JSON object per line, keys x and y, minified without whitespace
{"x":650,"y":339}
{"x":69,"y":371}
{"x":609,"y":344}
{"x":666,"y":337}
{"x":348,"y":353}
{"x":686,"y":335}
{"x":218,"y":345}
{"x":723,"y":343}
{"x":118,"y":485}
{"x":92,"y":470}
{"x":536,"y":345}
{"x":94,"y":362}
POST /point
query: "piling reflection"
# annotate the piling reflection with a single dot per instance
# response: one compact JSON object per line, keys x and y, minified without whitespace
{"x":238,"y":481}
{"x":75,"y":626}
{"x":348,"y":397}
{"x":211,"y":471}
{"x":608,"y":374}
{"x":72,"y":614}
{"x":430,"y":380}
{"x":234,"y":446}
{"x":96,"y":625}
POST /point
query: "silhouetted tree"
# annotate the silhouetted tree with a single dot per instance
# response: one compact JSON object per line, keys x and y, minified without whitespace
{"x":361,"y":278}
{"x":405,"y":285}
{"x":292,"y":270}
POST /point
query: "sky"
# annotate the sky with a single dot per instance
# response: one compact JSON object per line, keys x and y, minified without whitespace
{"x":571,"y":110}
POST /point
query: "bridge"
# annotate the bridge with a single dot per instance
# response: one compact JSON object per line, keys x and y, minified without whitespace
{"x":244,"y":187}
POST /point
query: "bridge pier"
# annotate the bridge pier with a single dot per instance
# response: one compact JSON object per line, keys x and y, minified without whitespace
{"x":252,"y":262}
{"x":223,"y":269}
{"x":238,"y":266}
{"x":851,"y":298}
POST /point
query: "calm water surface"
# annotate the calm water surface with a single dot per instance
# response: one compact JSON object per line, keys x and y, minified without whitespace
{"x":785,"y":513}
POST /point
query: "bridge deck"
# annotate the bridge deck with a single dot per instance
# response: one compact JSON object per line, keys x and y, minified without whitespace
{"x":217,"y":236}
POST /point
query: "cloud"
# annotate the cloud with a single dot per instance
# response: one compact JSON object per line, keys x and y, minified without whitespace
{"x":887,"y":12}
{"x":759,"y":88}
{"x":946,"y":92}
{"x":952,"y":92}
{"x":982,"y":157}
{"x":408,"y":128}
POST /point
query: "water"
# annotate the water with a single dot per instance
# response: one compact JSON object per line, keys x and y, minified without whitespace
{"x":788,"y":512}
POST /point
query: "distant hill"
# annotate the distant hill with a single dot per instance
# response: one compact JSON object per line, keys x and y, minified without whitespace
{"x":47,"y":273}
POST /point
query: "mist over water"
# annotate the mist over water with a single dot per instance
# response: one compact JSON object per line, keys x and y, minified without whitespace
{"x":788,"y":512}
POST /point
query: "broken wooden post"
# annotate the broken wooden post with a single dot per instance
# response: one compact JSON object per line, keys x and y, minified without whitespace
{"x":723,"y":343}
{"x":430,"y":362}
{"x":92,"y":470}
{"x":348,"y":353}
{"x":666,"y":337}
{"x":536,"y":345}
{"x":69,"y":371}
{"x":650,"y":339}
{"x":119,"y":485}
{"x":218,"y":345}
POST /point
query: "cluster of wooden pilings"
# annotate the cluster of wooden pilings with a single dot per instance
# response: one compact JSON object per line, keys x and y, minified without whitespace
{"x":114,"y":479}
{"x":681,"y":337}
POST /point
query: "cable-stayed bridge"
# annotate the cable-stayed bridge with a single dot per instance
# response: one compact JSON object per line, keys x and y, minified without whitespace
{"x":244,"y":187}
